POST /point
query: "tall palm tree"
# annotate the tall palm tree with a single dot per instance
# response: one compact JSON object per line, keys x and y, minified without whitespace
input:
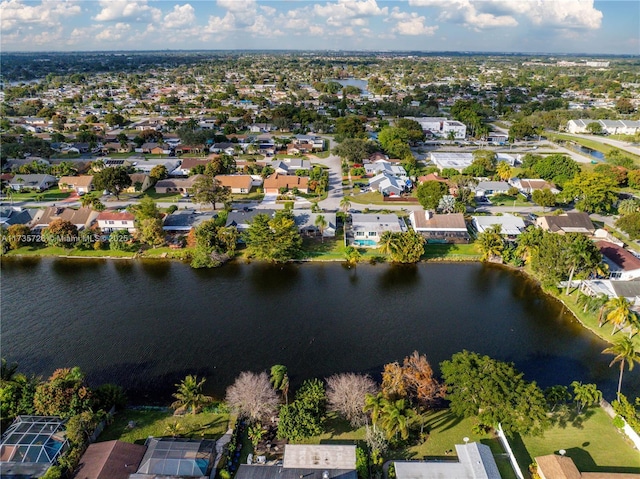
{"x":395,"y":419}
{"x":491,"y":242}
{"x":189,"y":395}
{"x":582,"y":255}
{"x":321,"y":224}
{"x":619,"y":312}
{"x":388,"y":244}
{"x":280,"y":380}
{"x":623,"y":351}
{"x":345,"y":204}
{"x":504,"y":171}
{"x":374,"y":403}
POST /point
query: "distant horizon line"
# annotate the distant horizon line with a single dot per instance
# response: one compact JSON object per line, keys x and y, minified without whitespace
{"x":337,"y":51}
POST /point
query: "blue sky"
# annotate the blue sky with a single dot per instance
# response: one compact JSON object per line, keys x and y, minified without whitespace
{"x":554,"y":26}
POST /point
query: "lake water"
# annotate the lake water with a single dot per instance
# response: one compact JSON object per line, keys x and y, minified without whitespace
{"x":362,"y":84}
{"x":146,"y":324}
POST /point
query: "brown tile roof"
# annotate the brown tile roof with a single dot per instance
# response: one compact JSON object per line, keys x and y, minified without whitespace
{"x":138,"y":177}
{"x":568,"y":221}
{"x":84,"y":180}
{"x":536,"y":184}
{"x":277,"y":180}
{"x":432,"y":177}
{"x":110,"y":460}
{"x":188,"y":163}
{"x":557,"y":467}
{"x":116,"y":216}
{"x":78,"y":217}
{"x":235,"y":181}
{"x":450,"y":221}
{"x":620,"y":256}
{"x":178,"y":182}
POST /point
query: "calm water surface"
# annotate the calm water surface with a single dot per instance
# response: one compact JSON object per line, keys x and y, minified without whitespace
{"x":145,"y":324}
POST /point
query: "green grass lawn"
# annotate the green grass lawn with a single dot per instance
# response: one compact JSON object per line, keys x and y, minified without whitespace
{"x":38,"y":250}
{"x":151,"y":193}
{"x":251,"y":196}
{"x":451,"y":251}
{"x":507,"y":200}
{"x":594,"y":444}
{"x":156,"y":423}
{"x":594,"y":145}
{"x":48,"y":195}
{"x":322,"y":154}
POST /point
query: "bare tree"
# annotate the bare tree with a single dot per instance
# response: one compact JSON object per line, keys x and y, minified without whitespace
{"x":252,"y":396}
{"x":418,"y":377}
{"x":346,"y":395}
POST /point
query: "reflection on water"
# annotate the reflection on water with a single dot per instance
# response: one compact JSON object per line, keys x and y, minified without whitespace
{"x":145,"y":324}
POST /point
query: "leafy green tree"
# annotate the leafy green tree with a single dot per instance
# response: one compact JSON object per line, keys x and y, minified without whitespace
{"x":321,"y":224}
{"x":60,"y":233}
{"x":118,"y":240}
{"x":595,"y":128}
{"x":352,"y":255}
{"x":404,"y":247}
{"x":354,"y":150}
{"x":430,"y":192}
{"x":494,"y":392}
{"x":585,"y":395}
{"x":64,"y":394}
{"x":207,"y":189}
{"x":582,"y":255}
{"x":114,"y":119}
{"x":305,"y":416}
{"x":151,"y":232}
{"x":17,"y":235}
{"x":630,"y":224}
{"x":114,"y":180}
{"x":158,"y":172}
{"x":189,"y":395}
{"x":521,"y":129}
{"x":504,"y":171}
{"x":273,"y":239}
{"x":80,"y":427}
{"x":628,"y":206}
{"x":556,"y":396}
{"x":624,"y":352}
{"x":109,"y":395}
{"x":350,"y":126}
{"x":544,"y":198}
{"x":374,"y":403}
{"x":255,"y":433}
{"x":593,"y":192}
{"x":556,"y":168}
{"x":280,"y":380}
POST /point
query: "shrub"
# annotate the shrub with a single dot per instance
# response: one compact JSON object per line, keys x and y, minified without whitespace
{"x":618,"y":422}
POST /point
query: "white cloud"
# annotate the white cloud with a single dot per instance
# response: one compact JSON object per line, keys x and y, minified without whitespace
{"x":413,"y":25}
{"x":350,"y":12}
{"x":478,"y":14}
{"x":16,"y":14}
{"x":114,"y":33}
{"x":132,"y":10}
{"x":180,"y":16}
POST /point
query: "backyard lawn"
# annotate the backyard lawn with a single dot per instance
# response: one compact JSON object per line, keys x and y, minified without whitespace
{"x":47,"y":195}
{"x":451,"y":251}
{"x":594,"y":444}
{"x":162,"y":423}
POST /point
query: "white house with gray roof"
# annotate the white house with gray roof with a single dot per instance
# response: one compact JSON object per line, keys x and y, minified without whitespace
{"x":39,"y":182}
{"x":457,"y":161}
{"x":475,"y":461}
{"x":612,"y":127}
{"x":366,"y":229}
{"x":510,"y":225}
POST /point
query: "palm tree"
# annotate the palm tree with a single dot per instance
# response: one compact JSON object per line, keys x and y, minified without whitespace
{"x":585,"y":395}
{"x":491,"y":242}
{"x":321,"y":224}
{"x":345,"y":204}
{"x":396,"y":416}
{"x":86,"y":200}
{"x":7,"y":371}
{"x":189,"y":394}
{"x":388,"y":244}
{"x":352,"y":255}
{"x":280,"y":380}
{"x":582,"y":254}
{"x":619,"y":312}
{"x":375,"y":404}
{"x":623,"y":351}
{"x":628,"y":206}
{"x":504,"y":171}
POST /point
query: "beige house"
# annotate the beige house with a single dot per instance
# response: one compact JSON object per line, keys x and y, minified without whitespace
{"x":142,"y":179}
{"x":572,"y":222}
{"x":238,"y":184}
{"x":177,"y":185}
{"x":109,"y":221}
{"x":553,"y":466}
{"x":81,"y":218}
{"x":276,"y":181}
{"x":80,"y":184}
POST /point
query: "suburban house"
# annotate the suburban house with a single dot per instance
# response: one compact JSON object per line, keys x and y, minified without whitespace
{"x":109,"y":221}
{"x":226,"y":147}
{"x":450,"y":228}
{"x":182,"y":221}
{"x":490,"y":188}
{"x":510,"y":225}
{"x":110,"y":460}
{"x":441,"y":127}
{"x":554,"y":466}
{"x":611,"y":127}
{"x":30,"y":455}
{"x":187,"y":164}
{"x":507,"y":158}
{"x":475,"y":461}
{"x":613,"y":289}
{"x":385,"y":167}
{"x":456,"y":161}
{"x":276,"y":181}
{"x":176,"y":457}
{"x":388,"y":185}
{"x":82,"y":218}
{"x":289,"y":166}
{"x":145,"y":166}
{"x":80,"y":184}
{"x":299,"y":148}
{"x":242,"y":219}
{"x":238,"y":184}
{"x":367,"y":228}
{"x":526,"y":186}
{"x":312,"y":461}
{"x":14,"y":215}
{"x":317,"y":142}
{"x":571,"y":222}
{"x":622,"y":264}
{"x":177,"y":185}
{"x":139,"y":182}
{"x":306,"y":223}
{"x":38,"y":182}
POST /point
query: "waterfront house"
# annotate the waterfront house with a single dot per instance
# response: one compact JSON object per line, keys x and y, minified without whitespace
{"x":109,"y":221}
{"x":510,"y":225}
{"x":366,"y":228}
{"x":622,"y":264}
{"x":475,"y":461}
{"x":15,"y":215}
{"x":32,"y":182}
{"x":182,"y":221}
{"x":80,"y":184}
{"x":306,"y":223}
{"x":242,"y":219}
{"x":571,"y":222}
{"x":82,"y":217}
{"x":450,"y":228}
{"x":110,"y":460}
{"x":554,"y":466}
{"x":176,"y":457}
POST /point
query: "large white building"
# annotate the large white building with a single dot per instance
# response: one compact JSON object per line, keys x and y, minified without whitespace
{"x":612,"y":127}
{"x":457,"y":161}
{"x":440,"y":126}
